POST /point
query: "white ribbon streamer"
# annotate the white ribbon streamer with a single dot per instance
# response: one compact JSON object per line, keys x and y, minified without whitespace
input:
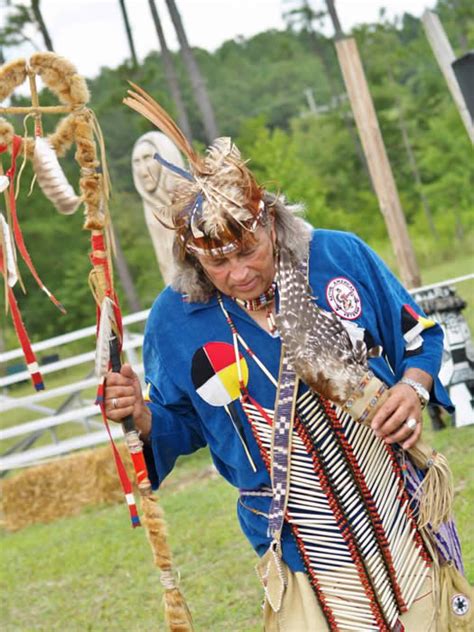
{"x":12,"y":276}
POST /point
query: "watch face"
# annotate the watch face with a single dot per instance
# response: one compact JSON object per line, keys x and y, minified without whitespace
{"x":421,"y":397}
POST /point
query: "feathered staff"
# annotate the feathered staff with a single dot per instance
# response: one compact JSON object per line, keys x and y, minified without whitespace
{"x":81,"y":128}
{"x":322,"y":353}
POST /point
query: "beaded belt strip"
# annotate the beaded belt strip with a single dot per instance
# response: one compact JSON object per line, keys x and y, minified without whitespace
{"x":281,"y":446}
{"x":350,"y":515}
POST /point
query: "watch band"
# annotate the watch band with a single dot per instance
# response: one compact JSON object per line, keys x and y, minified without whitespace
{"x":419,"y":389}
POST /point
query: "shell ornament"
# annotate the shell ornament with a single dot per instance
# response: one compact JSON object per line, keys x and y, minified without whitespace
{"x":52,"y":179}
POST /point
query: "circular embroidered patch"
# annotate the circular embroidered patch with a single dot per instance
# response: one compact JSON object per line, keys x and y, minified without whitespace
{"x":343,"y":298}
{"x":215,"y":373}
{"x":460,"y":604}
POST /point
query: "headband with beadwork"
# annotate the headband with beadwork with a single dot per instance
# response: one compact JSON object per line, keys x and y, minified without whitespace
{"x":216,"y":202}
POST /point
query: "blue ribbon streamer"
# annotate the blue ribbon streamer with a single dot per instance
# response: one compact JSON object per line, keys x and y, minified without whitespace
{"x":169,"y":165}
{"x":196,"y":215}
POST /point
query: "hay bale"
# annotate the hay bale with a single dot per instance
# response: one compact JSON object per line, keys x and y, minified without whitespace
{"x":44,"y":493}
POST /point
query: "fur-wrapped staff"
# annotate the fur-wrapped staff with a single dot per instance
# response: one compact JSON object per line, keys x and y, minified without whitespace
{"x":80,"y":128}
{"x":177,"y":614}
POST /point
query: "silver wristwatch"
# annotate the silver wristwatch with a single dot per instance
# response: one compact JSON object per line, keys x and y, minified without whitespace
{"x":419,"y":389}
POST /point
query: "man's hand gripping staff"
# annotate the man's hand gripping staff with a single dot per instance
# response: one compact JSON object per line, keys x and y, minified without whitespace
{"x":177,"y":614}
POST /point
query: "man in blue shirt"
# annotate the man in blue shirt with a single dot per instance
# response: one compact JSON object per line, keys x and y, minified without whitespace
{"x":333,"y":506}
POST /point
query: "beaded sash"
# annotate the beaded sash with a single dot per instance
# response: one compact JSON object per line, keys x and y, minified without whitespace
{"x":350,"y":515}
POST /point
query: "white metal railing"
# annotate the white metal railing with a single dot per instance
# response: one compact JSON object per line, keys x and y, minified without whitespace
{"x":79,"y":334}
{"x":79,"y":412}
{"x":28,"y":401}
{"x":35,"y":456}
{"x":432,"y":286}
{"x":74,"y":409}
{"x":53,"y":367}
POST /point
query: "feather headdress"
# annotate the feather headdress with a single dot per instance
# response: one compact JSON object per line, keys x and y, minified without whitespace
{"x":218,"y":200}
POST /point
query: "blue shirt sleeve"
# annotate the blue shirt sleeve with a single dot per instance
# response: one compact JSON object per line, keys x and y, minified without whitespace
{"x":176,"y":428}
{"x":393,"y":305}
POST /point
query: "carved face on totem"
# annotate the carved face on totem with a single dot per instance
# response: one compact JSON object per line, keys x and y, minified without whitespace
{"x":146,"y":169}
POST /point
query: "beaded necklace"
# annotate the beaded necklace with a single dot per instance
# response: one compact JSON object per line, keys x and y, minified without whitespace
{"x":264,"y":301}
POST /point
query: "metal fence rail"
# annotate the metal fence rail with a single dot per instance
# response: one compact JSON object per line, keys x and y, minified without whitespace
{"x":76,"y":410}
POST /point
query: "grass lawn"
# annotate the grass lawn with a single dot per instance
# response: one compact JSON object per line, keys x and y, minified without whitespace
{"x":93,"y":572}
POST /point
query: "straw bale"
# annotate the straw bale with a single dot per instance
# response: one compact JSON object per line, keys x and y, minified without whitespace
{"x":62,"y":488}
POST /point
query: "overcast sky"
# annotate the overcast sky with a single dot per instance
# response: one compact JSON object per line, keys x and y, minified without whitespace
{"x":90,"y":33}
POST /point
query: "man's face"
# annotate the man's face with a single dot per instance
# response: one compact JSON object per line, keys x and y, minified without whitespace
{"x":247,"y":272}
{"x":146,"y":168}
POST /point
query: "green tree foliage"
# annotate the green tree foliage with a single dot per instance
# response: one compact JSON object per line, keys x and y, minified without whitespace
{"x":20,"y":19}
{"x":407,"y":86}
{"x":257,"y":87}
{"x":17,"y":22}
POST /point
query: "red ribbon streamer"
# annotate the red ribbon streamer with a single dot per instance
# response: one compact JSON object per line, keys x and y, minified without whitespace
{"x":22,"y":334}
{"x":121,"y":471}
{"x":16,"y":145}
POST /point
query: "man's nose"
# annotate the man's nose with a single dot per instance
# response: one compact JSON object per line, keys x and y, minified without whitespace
{"x":238,"y":271}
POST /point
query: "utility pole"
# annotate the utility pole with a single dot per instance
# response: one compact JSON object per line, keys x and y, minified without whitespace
{"x":375,"y":152}
{"x":444,"y":56}
{"x":338,"y":32}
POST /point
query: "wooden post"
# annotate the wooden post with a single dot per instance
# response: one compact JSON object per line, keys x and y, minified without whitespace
{"x":444,"y":56}
{"x":377,"y":160}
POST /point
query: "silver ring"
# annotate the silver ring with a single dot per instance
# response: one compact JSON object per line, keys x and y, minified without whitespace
{"x":114,"y":402}
{"x":411,"y":423}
